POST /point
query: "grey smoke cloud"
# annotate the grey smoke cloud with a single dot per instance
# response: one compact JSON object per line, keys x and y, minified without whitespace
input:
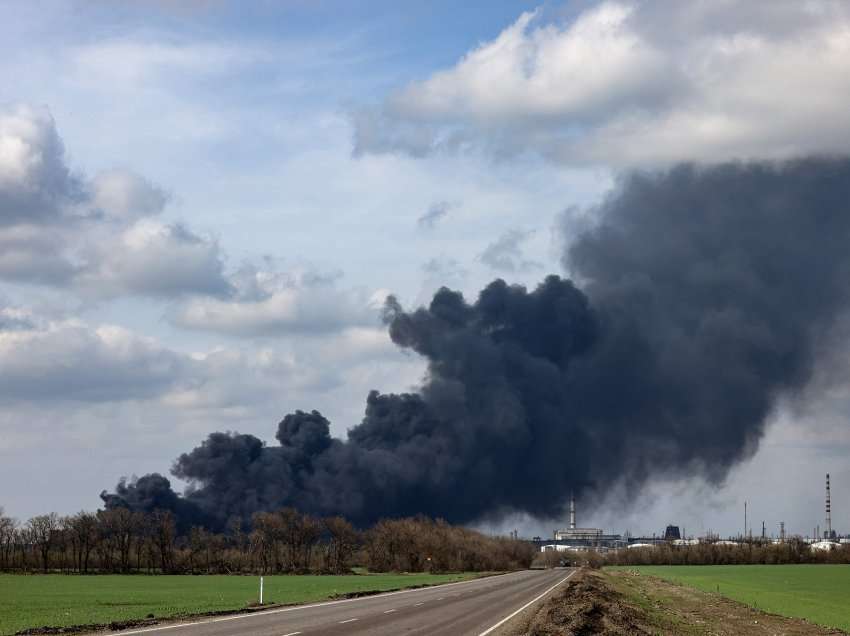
{"x":435,"y":213}
{"x":704,"y":295}
{"x":505,"y":254}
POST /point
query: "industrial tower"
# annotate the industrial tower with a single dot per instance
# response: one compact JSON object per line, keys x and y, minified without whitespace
{"x":828,"y":534}
{"x":573,"y":510}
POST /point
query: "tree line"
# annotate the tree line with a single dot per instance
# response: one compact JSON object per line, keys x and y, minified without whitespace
{"x":282,"y":541}
{"x":794,"y":550}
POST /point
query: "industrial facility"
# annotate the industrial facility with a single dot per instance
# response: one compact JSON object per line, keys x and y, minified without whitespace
{"x":576,"y":538}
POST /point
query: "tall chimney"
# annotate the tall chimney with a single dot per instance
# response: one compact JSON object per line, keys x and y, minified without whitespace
{"x":572,"y":511}
{"x":828,"y":511}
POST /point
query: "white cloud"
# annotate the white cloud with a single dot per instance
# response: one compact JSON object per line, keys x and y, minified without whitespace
{"x":36,"y":254}
{"x":269,"y":303}
{"x":234,"y":381}
{"x":134,"y":61}
{"x":35,"y":183}
{"x":154,"y":259}
{"x":95,"y":236}
{"x":52,"y":363}
{"x":615,"y":87}
{"x":68,"y":360}
{"x":125,"y":195}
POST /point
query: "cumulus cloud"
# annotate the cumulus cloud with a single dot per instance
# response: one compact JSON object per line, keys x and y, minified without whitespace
{"x":235,"y":380}
{"x":615,"y":87}
{"x":69,"y":360}
{"x":155,"y":259}
{"x":266,"y":303}
{"x":35,"y":254}
{"x":36,"y":185}
{"x":124,"y":195}
{"x":505,"y":253}
{"x":99,"y":235}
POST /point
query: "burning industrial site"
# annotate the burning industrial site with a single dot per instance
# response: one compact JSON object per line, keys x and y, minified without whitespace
{"x":701,"y":295}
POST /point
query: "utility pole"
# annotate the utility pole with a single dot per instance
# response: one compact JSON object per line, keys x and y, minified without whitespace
{"x":745,"y":520}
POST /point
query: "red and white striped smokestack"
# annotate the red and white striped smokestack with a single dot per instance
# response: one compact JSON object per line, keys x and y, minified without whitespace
{"x":828,"y":511}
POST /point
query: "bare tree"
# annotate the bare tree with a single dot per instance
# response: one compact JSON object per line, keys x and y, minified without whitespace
{"x":342,"y":540}
{"x":121,"y":528}
{"x":164,"y":533}
{"x":43,"y":530}
{"x":83,"y":529}
{"x":8,"y":534}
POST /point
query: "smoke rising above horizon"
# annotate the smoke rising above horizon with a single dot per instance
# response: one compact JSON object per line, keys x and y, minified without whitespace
{"x":701,"y":296}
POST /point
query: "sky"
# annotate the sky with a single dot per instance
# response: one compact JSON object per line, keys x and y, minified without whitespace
{"x":203,"y":206}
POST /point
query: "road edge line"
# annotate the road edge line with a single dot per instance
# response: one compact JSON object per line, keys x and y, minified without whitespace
{"x":293,"y":608}
{"x":531,"y":602}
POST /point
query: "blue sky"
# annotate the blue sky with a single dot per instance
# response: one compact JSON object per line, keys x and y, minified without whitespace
{"x":259,"y":174}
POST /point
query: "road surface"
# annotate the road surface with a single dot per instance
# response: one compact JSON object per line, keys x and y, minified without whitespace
{"x":476,"y":608}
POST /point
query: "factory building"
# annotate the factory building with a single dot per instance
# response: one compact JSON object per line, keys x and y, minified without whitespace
{"x":576,"y":539}
{"x":672,"y":533}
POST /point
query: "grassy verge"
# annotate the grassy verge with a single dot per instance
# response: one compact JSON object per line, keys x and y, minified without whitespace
{"x":817,"y":593}
{"x":654,"y":606}
{"x":624,"y":602}
{"x":63,"y":601}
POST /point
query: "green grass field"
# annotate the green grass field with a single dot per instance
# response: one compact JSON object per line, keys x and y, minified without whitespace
{"x":58,"y":600}
{"x":817,"y":593}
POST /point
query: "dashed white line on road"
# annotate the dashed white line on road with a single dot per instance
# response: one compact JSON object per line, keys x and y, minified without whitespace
{"x":418,"y":604}
{"x":389,"y":611}
{"x":292,"y":634}
{"x":350,"y":620}
{"x":288,"y":609}
{"x":441,"y":598}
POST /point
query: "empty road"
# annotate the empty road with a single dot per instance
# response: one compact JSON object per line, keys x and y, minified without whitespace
{"x":475,"y":608}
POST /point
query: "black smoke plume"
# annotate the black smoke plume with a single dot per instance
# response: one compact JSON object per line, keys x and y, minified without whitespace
{"x":702,"y":295}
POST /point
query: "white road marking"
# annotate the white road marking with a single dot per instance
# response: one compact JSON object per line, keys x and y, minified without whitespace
{"x":531,"y":602}
{"x":292,"y":634}
{"x":389,"y":611}
{"x":441,"y":598}
{"x":350,"y":620}
{"x":236,"y":617}
{"x":418,"y":604}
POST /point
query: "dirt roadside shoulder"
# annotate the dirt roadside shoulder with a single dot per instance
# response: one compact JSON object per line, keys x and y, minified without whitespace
{"x":623,"y":603}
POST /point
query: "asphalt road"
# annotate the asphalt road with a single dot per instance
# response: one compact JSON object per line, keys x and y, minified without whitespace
{"x":477,"y":608}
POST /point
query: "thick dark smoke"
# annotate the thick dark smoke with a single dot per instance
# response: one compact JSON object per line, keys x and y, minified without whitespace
{"x":703,"y":294}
